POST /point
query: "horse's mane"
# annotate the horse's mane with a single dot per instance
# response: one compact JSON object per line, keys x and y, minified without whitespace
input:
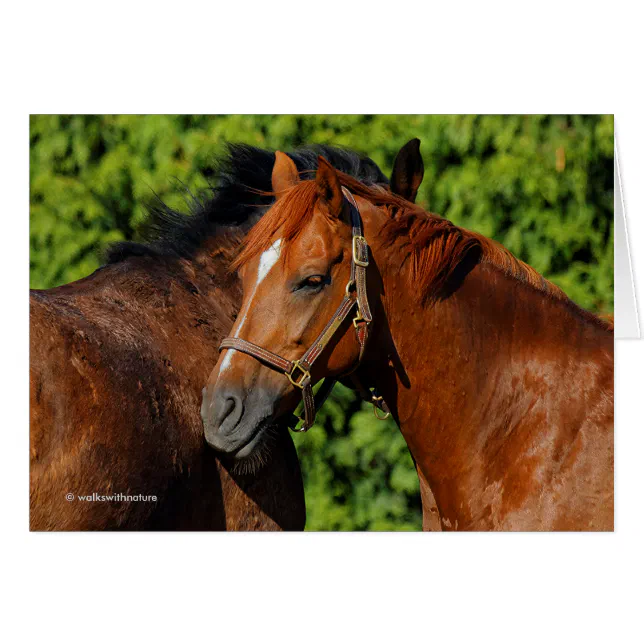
{"x":239,"y":192}
{"x":434,"y":246}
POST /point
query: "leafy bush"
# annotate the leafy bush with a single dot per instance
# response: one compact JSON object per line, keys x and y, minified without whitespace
{"x":541,"y":185}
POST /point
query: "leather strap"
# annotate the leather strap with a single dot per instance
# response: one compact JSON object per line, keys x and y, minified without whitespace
{"x":298,"y":371}
{"x":360,"y":259}
{"x":327,"y":333}
{"x":373,"y":397}
{"x":263,"y":355}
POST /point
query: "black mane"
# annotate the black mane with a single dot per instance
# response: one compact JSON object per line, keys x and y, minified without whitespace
{"x":231,"y":200}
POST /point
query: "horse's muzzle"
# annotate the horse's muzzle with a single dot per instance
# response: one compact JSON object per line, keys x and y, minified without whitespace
{"x":233,"y":420}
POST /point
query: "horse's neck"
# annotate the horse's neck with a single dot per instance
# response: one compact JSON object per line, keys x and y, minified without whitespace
{"x":151,"y":279}
{"x":149,"y":297}
{"x":474,"y":377}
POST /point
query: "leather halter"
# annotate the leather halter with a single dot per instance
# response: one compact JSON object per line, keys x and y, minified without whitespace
{"x":299,"y":371}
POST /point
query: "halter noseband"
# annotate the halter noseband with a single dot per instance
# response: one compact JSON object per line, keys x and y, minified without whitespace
{"x":299,"y":371}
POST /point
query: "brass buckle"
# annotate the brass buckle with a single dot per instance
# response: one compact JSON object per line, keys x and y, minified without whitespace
{"x":358,"y":318}
{"x":299,"y":383}
{"x":356,"y":261}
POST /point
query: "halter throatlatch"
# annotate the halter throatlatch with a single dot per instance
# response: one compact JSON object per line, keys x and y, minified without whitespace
{"x":299,"y":371}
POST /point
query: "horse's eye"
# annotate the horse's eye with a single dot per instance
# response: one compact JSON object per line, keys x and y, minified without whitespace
{"x":313,"y":282}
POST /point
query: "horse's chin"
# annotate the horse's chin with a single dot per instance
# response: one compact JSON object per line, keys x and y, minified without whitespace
{"x":258,"y":452}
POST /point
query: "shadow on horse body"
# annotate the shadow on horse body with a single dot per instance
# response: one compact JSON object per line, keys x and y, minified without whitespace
{"x":501,"y":386}
{"x":118,"y":360}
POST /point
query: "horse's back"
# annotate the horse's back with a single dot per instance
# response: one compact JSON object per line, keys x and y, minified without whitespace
{"x":114,"y":399}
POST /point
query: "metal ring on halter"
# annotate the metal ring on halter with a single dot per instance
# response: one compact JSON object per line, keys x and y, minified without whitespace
{"x":375,"y":413}
{"x":376,"y":401}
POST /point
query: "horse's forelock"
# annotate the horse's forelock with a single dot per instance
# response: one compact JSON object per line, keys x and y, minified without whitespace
{"x":289,"y":215}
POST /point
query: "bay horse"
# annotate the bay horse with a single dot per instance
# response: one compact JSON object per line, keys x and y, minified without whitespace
{"x":117,"y":363}
{"x":502,"y":387}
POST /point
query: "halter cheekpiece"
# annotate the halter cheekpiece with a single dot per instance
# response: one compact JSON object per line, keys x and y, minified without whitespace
{"x":299,"y":371}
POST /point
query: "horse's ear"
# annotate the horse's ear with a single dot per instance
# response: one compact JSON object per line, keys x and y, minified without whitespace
{"x":285,"y":173}
{"x":408,"y":171}
{"x":329,"y":188}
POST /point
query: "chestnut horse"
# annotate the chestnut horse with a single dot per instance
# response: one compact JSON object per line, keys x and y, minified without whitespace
{"x":501,"y":386}
{"x":118,"y":360}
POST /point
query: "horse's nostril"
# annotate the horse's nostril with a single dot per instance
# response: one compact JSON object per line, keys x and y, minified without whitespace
{"x":228,"y":410}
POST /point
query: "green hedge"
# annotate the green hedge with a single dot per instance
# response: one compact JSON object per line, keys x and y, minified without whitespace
{"x":541,"y":185}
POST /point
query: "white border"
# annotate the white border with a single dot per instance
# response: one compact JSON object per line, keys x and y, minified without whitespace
{"x":626,"y":314}
{"x":316,"y":58}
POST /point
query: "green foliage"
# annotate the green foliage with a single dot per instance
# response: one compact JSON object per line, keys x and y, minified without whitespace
{"x":358,"y":473}
{"x":541,"y":185}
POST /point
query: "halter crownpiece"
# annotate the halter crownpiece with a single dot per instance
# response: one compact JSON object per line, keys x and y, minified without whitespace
{"x":299,"y":371}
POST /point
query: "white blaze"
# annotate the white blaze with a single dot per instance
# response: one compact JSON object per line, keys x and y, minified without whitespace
{"x":266,"y":262}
